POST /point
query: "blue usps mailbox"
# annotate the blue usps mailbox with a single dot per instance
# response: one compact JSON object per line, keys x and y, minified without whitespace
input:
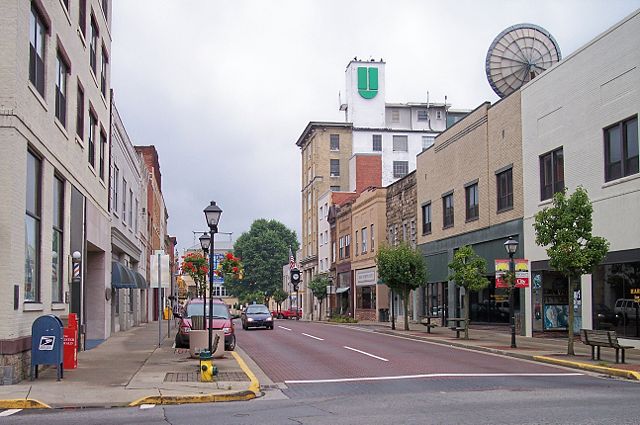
{"x":47,"y":344}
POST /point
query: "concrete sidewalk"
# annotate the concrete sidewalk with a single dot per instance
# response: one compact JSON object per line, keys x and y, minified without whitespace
{"x":497,"y":340}
{"x":130,"y":369}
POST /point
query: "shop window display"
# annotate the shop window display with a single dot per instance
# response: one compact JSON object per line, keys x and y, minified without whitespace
{"x":616,"y":298}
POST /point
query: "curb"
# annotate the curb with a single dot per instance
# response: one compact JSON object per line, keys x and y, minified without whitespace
{"x":23,"y":403}
{"x":622,"y":373}
{"x":255,"y":384}
{"x":204,"y":398}
{"x":252,"y":392}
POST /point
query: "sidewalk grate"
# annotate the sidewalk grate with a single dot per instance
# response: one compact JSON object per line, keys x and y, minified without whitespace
{"x":195,"y":377}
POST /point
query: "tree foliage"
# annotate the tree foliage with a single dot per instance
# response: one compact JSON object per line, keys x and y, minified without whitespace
{"x":264,"y":249}
{"x":279,"y":296}
{"x":468,"y":270}
{"x":402,"y":269}
{"x":318,"y":287}
{"x":565,"y":230}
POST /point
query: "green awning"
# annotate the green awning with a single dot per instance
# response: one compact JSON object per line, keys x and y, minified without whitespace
{"x":122,"y":277}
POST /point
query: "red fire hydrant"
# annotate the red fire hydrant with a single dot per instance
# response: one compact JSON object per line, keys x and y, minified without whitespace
{"x":70,"y":334}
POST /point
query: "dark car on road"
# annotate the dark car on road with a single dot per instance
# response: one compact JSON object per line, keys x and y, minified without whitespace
{"x":256,"y":316}
{"x":221,"y":320}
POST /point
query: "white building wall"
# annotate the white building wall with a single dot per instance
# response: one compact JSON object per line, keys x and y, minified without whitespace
{"x":28,"y":122}
{"x":569,"y":106}
{"x":324,"y":233}
{"x":360,"y":111}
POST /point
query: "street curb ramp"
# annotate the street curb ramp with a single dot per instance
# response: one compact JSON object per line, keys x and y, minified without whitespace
{"x":252,"y":392}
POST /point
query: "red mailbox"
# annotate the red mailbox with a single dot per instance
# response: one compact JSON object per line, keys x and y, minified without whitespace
{"x":71,"y":343}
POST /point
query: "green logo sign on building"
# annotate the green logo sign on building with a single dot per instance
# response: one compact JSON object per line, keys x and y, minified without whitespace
{"x":367,"y":82}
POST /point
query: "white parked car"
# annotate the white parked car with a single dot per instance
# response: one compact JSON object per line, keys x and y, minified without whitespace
{"x":627,"y":308}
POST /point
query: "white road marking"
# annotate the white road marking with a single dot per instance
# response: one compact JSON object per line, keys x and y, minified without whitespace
{"x":430,"y":375}
{"x":10,"y":412}
{"x":282,"y":327}
{"x":366,"y":354}
{"x":147,"y":406}
{"x":311,"y":336}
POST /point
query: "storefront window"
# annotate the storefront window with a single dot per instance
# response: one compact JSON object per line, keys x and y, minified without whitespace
{"x":616,"y":298}
{"x":491,"y":305}
{"x":366,"y":297}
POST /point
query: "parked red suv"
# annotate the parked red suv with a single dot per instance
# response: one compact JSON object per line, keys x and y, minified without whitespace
{"x":221,"y":320}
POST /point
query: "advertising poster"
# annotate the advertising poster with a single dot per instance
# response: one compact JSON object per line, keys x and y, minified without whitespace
{"x":521,"y":269}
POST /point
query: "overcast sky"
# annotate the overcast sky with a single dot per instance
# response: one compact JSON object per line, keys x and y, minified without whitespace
{"x":223,"y":89}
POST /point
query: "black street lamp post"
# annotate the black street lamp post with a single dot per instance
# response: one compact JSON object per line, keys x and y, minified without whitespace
{"x":205,"y":242}
{"x":511,"y":246}
{"x":212,"y":213}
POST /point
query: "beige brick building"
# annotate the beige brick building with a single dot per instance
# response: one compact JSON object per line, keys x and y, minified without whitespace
{"x":54,"y":170}
{"x":369,"y":223}
{"x":326,"y":149}
{"x":469,"y":192}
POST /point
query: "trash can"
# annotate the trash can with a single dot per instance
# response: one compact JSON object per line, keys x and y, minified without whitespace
{"x":384,"y":314}
{"x":197,"y":323}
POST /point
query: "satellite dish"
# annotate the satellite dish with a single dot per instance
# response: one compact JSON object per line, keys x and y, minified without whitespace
{"x":519,"y":54}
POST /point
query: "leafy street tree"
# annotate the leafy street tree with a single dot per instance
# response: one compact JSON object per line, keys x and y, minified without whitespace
{"x":264,"y":249}
{"x":279,"y":296}
{"x":402,"y":269}
{"x":318,"y":287}
{"x":565,"y":229}
{"x":468,"y":271}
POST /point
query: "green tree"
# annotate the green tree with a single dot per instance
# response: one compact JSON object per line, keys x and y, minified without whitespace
{"x":318,"y":287}
{"x":279,"y":296}
{"x":402,"y":269}
{"x":565,"y":230}
{"x":468,"y":271}
{"x":264,"y":249}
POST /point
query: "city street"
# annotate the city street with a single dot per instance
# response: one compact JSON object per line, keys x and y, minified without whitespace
{"x":315,"y":373}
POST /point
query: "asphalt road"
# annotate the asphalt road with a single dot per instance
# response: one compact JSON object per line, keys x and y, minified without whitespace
{"x":343,"y":375}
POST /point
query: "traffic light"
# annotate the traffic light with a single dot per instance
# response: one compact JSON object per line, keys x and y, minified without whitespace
{"x":295,"y":278}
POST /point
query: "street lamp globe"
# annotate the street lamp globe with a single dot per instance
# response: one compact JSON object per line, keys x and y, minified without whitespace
{"x":511,"y":245}
{"x":205,"y":242}
{"x":212,"y":213}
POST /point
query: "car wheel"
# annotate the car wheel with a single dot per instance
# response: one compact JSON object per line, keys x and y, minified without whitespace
{"x":232,"y":345}
{"x":271,"y":327}
{"x":280,"y":316}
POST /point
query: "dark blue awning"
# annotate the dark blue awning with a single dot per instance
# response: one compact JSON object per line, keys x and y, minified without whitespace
{"x":122,"y":277}
{"x":140,"y":281}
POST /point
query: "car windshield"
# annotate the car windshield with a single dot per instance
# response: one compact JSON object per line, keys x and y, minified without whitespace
{"x":257,"y":309}
{"x":219,"y":310}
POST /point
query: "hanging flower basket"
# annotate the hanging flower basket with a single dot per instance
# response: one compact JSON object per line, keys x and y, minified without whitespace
{"x":230,"y":266}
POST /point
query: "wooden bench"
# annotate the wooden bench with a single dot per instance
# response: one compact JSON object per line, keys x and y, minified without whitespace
{"x":597,"y":339}
{"x":458,"y":325}
{"x":426,"y":321}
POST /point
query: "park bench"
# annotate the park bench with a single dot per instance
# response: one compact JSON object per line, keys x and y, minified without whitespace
{"x":597,"y":339}
{"x":458,"y":325}
{"x":426,"y":321}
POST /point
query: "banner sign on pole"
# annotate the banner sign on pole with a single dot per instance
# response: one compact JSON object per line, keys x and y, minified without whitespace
{"x":522,"y":273}
{"x":165,"y":275}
